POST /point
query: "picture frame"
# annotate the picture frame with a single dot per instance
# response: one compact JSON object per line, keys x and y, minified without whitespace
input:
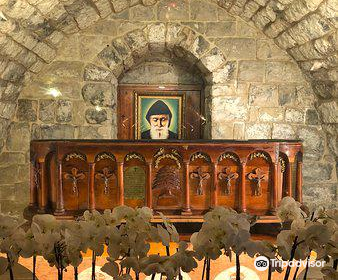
{"x":159,"y":115}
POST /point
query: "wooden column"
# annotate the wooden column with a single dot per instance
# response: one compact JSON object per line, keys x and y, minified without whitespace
{"x":243,"y":188}
{"x":43,"y":187}
{"x":214,"y":185}
{"x":149,"y":185}
{"x":91,"y":205}
{"x":33,"y":185}
{"x":186,"y":208}
{"x":289,"y":179}
{"x":120,"y":182}
{"x":60,"y":209}
{"x":299,"y":182}
{"x":275,"y":188}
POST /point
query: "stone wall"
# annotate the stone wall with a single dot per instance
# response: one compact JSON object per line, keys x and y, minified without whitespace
{"x":253,"y":89}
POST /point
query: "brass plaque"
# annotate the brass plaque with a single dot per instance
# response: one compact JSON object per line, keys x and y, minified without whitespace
{"x":134,"y":183}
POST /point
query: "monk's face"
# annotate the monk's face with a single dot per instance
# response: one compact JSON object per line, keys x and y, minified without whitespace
{"x":159,"y":121}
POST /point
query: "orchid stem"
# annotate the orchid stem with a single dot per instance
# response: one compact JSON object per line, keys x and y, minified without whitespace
{"x":76,"y":273}
{"x":11,"y":276}
{"x":167,"y":248}
{"x":270,"y":270}
{"x":296,"y":272}
{"x":153,"y":276}
{"x":335,"y":264}
{"x":238,"y":268}
{"x":93,"y":265}
{"x":293,"y":250}
{"x":307,"y":266}
{"x":34,"y":267}
{"x":208,"y":270}
{"x":205,"y":260}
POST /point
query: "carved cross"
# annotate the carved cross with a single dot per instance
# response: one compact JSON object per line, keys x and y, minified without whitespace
{"x":200,"y":176}
{"x":106,"y":176}
{"x":74,"y":176}
{"x":257,"y":176}
{"x":226,"y":175}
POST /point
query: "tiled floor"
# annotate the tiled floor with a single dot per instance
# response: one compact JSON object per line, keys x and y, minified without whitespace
{"x":45,"y":272}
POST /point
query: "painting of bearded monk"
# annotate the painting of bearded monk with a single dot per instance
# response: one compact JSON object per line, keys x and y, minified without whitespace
{"x":159,"y":118}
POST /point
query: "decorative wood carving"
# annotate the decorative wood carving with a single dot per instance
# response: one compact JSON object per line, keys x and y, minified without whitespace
{"x":166,"y":181}
{"x":257,"y":176}
{"x":74,"y":176}
{"x":173,"y":154}
{"x":131,"y":156}
{"x":259,"y":155}
{"x":228,"y":155}
{"x":282,"y":164}
{"x":103,"y":156}
{"x":105,"y":175}
{"x":200,"y":155}
{"x":75,"y":156}
{"x":37,"y":177}
{"x":227,"y":176}
{"x":201,"y":177}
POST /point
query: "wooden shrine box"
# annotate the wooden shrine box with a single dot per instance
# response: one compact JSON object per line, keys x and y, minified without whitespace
{"x":182,"y":179}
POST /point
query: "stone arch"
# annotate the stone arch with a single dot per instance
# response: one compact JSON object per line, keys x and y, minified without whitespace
{"x":129,"y":49}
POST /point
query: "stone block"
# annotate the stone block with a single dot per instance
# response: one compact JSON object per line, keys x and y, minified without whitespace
{"x":27,"y":110}
{"x":329,"y":112}
{"x":45,"y":52}
{"x":98,"y":94}
{"x":89,"y":132}
{"x":175,"y":34}
{"x":312,"y":117}
{"x":8,"y":158}
{"x":9,"y":175}
{"x":70,"y":49}
{"x":228,"y":109}
{"x":271,"y":114}
{"x":9,"y":92}
{"x":110,"y":58}
{"x":283,"y":131}
{"x":142,"y":13}
{"x":220,"y":29}
{"x":313,"y":142}
{"x":199,"y":46}
{"x":63,"y":111}
{"x":13,"y":72}
{"x":156,"y":36}
{"x":83,"y":12}
{"x":263,"y":95}
{"x":24,"y":175}
{"x":199,"y":10}
{"x":94,"y":116}
{"x":295,"y":95}
{"x":212,"y":60}
{"x":18,"y":138}
{"x":278,"y":71}
{"x":268,"y":50}
{"x":237,"y":48}
{"x":137,"y":42}
{"x":224,"y":74}
{"x":239,"y":131}
{"x":57,"y":131}
{"x":317,"y":172}
{"x":47,"y":110}
{"x":320,"y":194}
{"x":7,"y":110}
{"x":258,"y":131}
{"x":4,"y":124}
{"x":120,"y":5}
{"x":251,"y":71}
{"x":199,"y":27}
{"x":97,"y":74}
{"x":222,"y":130}
{"x":245,"y":30}
{"x":294,"y":116}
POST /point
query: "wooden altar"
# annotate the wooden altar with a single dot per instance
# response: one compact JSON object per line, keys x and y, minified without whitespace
{"x":182,"y":179}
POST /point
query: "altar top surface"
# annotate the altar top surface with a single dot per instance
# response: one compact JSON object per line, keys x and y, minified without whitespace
{"x":200,"y":141}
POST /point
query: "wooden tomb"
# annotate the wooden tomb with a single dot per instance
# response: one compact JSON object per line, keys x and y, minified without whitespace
{"x":182,"y":179}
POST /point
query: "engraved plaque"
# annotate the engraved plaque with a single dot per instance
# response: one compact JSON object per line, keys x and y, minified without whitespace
{"x":134,"y":183}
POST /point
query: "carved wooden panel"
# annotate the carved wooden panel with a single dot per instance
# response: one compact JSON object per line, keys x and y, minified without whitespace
{"x":228,"y":180}
{"x":75,"y":181}
{"x":134,"y":180}
{"x":106,"y":190}
{"x":258,"y":181}
{"x":200,"y":181}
